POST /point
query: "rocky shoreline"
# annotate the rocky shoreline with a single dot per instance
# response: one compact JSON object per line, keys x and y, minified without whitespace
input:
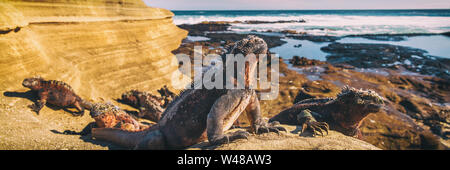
{"x":359,"y":55}
{"x":414,"y":84}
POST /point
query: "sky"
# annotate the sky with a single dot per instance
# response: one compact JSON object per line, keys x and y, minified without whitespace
{"x":297,"y":4}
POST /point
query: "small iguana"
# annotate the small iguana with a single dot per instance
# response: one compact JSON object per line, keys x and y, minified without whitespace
{"x":107,"y":115}
{"x":55,"y":92}
{"x":343,"y":113}
{"x":197,"y":114}
{"x":166,"y":95}
{"x":150,"y":106}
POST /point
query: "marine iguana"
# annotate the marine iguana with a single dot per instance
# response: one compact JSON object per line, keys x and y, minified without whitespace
{"x":166,"y":95}
{"x":343,"y":113}
{"x":197,"y":114}
{"x":150,"y":106}
{"x":55,"y":92}
{"x":107,"y":115}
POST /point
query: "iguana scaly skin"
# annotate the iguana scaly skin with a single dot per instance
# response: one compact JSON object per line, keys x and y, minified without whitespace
{"x":166,"y":95}
{"x":343,"y":113}
{"x":55,"y":92}
{"x":150,"y":106}
{"x":107,"y":115}
{"x":197,"y":114}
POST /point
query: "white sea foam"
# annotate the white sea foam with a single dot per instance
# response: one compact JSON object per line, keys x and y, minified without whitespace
{"x":197,"y":38}
{"x":332,"y":24}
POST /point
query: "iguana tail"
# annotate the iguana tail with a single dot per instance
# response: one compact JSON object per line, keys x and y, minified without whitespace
{"x":85,"y":104}
{"x":129,"y":139}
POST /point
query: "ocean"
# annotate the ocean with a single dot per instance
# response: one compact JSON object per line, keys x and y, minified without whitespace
{"x":329,"y":22}
{"x":335,"y":23}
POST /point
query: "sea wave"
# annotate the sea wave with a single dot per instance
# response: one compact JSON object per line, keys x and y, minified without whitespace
{"x":331,"y":24}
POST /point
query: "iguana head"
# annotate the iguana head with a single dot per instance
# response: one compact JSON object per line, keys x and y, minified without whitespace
{"x":250,"y":44}
{"x":130,"y":98}
{"x":367,"y":100}
{"x":32,"y":83}
{"x":251,"y":47}
{"x":102,"y":108}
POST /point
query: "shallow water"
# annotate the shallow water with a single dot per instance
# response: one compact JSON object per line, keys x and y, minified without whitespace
{"x":308,"y":49}
{"x":312,"y":73}
{"x":436,"y":45}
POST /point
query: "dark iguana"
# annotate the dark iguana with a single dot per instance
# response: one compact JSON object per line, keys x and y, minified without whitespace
{"x":343,"y":113}
{"x":55,"y":92}
{"x":197,"y":114}
{"x":150,"y":106}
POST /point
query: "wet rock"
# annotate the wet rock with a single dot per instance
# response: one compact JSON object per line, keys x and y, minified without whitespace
{"x":315,"y":38}
{"x":273,"y":22}
{"x":381,"y":37}
{"x":385,"y":38}
{"x":316,"y":89}
{"x":389,"y":56}
{"x":303,"y":61}
{"x":289,"y":32}
{"x":446,"y":34}
{"x":411,"y":107}
{"x":272,"y":41}
{"x":201,"y":28}
{"x":430,"y":142}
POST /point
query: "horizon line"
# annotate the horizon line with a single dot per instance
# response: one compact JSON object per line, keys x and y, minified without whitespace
{"x":302,"y":9}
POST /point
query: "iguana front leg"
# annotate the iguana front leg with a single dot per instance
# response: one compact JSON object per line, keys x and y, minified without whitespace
{"x":223,"y":108}
{"x":258,"y":125}
{"x":80,"y":109}
{"x":310,"y":127}
{"x":40,"y":103}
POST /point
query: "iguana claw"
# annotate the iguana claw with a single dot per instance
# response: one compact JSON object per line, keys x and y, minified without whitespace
{"x":313,"y":128}
{"x":230,"y":137}
{"x":269,"y":127}
{"x":310,"y":125}
{"x":35,"y":107}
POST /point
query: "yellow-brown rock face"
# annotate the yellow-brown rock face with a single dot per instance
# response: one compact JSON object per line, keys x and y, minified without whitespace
{"x":100,"y":47}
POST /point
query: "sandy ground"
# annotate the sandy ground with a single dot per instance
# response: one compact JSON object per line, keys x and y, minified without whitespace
{"x":22,"y":128}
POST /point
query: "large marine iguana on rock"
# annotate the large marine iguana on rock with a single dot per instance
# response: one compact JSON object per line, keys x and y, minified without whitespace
{"x":199,"y":113}
{"x":55,"y":92}
{"x":343,"y":113}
